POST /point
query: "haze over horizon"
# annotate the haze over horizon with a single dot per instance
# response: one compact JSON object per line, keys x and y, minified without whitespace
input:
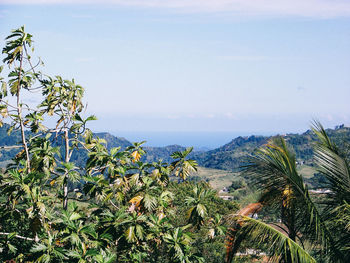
{"x":246,"y":67}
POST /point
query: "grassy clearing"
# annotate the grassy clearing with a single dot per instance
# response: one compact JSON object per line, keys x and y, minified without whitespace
{"x":218,"y":179}
{"x":306,"y":171}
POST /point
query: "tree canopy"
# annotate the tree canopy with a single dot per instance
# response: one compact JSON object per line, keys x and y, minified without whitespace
{"x":114,"y":207}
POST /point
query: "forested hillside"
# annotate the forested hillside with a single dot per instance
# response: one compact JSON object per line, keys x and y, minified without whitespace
{"x":232,"y":155}
{"x":79,"y":156}
{"x":227,"y":157}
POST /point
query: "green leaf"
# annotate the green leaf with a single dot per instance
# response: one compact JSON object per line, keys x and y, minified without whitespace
{"x":12,"y":248}
{"x":78,"y":118}
{"x":4,"y":89}
{"x":69,"y":166}
{"x":130,"y":234}
{"x":91,"y":118}
{"x":74,"y":216}
{"x":201,"y":210}
{"x":11,"y":235}
{"x":38,"y":247}
{"x":74,"y":254}
{"x":258,"y":232}
{"x":114,"y":150}
{"x":9,"y":131}
{"x":91,"y":252}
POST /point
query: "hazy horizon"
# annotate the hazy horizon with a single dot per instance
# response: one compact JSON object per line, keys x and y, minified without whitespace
{"x":187,"y":66}
{"x":198,"y":139}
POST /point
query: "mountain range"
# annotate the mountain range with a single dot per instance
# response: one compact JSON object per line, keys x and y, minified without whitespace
{"x":227,"y":157}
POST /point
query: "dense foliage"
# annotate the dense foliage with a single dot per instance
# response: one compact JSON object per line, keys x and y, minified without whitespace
{"x":311,"y":226}
{"x":233,"y":155}
{"x":113,"y":207}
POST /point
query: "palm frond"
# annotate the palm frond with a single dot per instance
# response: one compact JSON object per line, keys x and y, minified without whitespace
{"x":261,"y":235}
{"x":273,"y":169}
{"x":333,"y":166}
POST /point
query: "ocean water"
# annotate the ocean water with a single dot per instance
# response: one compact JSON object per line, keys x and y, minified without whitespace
{"x":199,"y":140}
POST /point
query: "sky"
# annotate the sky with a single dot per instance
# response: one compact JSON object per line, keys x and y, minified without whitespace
{"x":249,"y":67}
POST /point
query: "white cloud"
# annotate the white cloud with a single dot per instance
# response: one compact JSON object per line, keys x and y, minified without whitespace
{"x":304,"y":8}
{"x":210,"y":116}
{"x":230,"y":116}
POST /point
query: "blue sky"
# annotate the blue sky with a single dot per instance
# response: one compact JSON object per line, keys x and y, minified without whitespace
{"x":173,"y":65}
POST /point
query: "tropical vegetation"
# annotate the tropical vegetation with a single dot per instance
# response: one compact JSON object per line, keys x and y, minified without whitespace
{"x":110,"y":207}
{"x":310,"y":227}
{"x":69,"y":195}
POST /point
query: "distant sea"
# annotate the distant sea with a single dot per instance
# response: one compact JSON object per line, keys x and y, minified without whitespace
{"x":199,"y":140}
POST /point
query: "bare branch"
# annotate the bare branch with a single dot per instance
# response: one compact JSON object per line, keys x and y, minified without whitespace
{"x":9,"y":105}
{"x":82,"y":144}
{"x":110,"y":201}
{"x":10,"y":147}
{"x":18,"y":236}
{"x":30,"y":63}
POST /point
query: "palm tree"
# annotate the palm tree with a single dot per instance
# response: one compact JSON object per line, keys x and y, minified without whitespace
{"x":261,"y":235}
{"x":273,"y":169}
{"x":335,"y":166}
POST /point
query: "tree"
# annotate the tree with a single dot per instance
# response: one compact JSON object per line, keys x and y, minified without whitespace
{"x":334,"y":165}
{"x":303,"y":220}
{"x":198,"y":210}
{"x":182,"y":167}
{"x":116,"y":208}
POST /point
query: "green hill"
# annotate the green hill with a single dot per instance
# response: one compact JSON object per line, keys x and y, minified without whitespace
{"x":156,"y":153}
{"x":227,"y":157}
{"x":232,"y":155}
{"x":79,"y":157}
